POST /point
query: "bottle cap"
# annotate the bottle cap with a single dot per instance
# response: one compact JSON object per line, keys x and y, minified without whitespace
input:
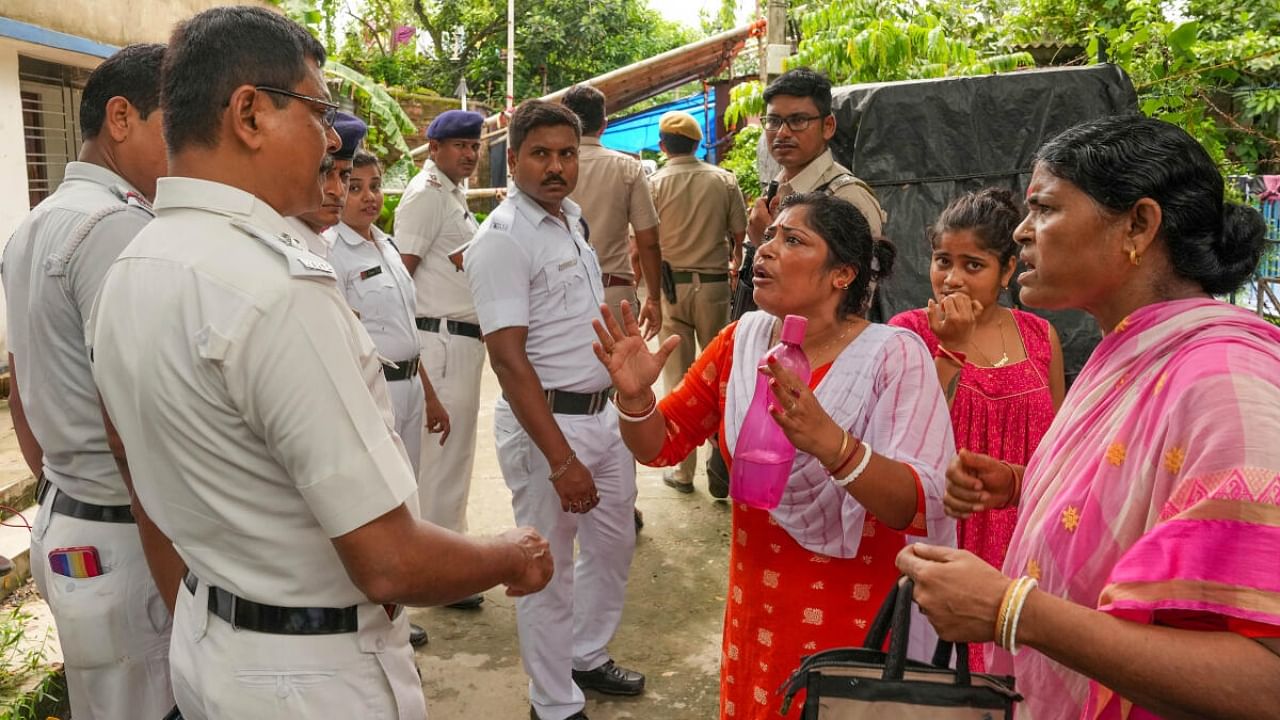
{"x":793,"y":327}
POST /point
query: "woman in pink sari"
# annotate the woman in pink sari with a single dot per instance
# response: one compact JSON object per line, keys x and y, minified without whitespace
{"x":1147,"y":549}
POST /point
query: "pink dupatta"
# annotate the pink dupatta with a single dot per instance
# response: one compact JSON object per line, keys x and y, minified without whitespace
{"x":1156,"y":491}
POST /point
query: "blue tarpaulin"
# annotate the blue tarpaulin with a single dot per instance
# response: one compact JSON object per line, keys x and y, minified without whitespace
{"x":637,"y":132}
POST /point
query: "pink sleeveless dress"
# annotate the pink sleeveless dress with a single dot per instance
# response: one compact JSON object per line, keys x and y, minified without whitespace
{"x":1002,"y":412}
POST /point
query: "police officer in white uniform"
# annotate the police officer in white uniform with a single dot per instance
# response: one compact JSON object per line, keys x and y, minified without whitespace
{"x":254,"y":410}
{"x":537,"y":288}
{"x":311,"y":226}
{"x":378,"y":288}
{"x":432,"y":221}
{"x":112,"y":622}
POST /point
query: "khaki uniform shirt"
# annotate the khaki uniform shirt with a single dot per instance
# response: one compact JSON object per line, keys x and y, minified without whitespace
{"x":529,"y":269}
{"x":251,"y":400}
{"x":53,"y":268}
{"x":701,"y":208}
{"x":432,"y":220}
{"x":824,"y":169}
{"x":613,"y":193}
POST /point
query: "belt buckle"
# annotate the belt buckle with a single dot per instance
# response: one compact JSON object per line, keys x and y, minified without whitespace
{"x":235,"y":605}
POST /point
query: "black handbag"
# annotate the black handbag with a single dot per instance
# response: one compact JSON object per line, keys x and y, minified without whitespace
{"x":865,"y":682}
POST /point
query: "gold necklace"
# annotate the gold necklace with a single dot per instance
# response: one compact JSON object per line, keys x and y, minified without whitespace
{"x":1004,"y":353}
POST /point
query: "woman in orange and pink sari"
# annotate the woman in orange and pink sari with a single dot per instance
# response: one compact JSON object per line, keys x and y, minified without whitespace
{"x":1146,"y":557}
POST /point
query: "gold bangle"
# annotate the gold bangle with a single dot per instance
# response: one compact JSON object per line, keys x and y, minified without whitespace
{"x":840,"y":456}
{"x":1002,"y":615}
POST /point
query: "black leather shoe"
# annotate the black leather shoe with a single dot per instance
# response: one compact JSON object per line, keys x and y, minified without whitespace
{"x":471,"y":602}
{"x":610,"y":679}
{"x":580,"y":715}
{"x":417,"y":636}
{"x":639,"y":520}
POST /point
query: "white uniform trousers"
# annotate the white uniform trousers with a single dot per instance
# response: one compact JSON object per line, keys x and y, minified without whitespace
{"x":569,"y":624}
{"x":409,"y":405}
{"x":114,"y":628}
{"x":454,"y":364}
{"x":221,"y":673}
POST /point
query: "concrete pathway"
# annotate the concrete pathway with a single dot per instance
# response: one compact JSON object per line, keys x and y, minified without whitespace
{"x":670,"y":627}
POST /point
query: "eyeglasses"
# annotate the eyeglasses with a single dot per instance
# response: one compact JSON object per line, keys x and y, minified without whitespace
{"x":796,"y":123}
{"x":330,"y":108}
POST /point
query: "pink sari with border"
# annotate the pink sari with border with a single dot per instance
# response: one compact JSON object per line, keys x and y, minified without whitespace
{"x":1155,"y":494}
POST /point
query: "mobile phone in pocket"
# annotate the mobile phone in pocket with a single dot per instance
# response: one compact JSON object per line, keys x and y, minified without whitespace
{"x":76,"y":562}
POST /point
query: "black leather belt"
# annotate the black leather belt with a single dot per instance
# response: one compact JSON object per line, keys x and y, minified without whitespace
{"x":64,"y":504}
{"x":404,"y":370}
{"x":686,"y":276}
{"x":455,"y":327}
{"x":564,"y":402}
{"x":248,"y":615}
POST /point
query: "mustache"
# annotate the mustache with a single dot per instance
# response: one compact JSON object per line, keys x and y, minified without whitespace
{"x":554,"y":179}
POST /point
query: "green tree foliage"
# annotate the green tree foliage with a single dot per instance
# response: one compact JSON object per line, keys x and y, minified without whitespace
{"x":855,"y":41}
{"x":741,"y":161}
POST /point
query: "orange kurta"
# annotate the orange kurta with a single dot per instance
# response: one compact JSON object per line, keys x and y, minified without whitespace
{"x":784,"y":602}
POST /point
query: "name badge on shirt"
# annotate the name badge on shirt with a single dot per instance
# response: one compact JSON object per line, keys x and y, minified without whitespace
{"x":366,"y":274}
{"x":567,"y":264}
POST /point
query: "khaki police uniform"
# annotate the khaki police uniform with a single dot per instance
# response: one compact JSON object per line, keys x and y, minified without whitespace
{"x":701,"y":209}
{"x":528,"y":269}
{"x":432,"y":221}
{"x":824,"y":173}
{"x":378,"y":288}
{"x":613,"y":193}
{"x":114,"y":628}
{"x":259,"y":428}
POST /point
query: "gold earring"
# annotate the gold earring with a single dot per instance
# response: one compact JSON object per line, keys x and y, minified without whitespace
{"x":1134,"y":257}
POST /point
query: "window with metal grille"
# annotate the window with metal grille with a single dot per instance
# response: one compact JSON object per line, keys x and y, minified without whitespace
{"x":50,"y":121}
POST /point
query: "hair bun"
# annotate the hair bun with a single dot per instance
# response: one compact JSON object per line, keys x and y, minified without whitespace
{"x":1237,"y":250}
{"x":1002,"y":196}
{"x":884,"y":253}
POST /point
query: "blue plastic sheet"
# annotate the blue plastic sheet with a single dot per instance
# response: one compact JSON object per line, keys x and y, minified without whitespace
{"x":637,"y":132}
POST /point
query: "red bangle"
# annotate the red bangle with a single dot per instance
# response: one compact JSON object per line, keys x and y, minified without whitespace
{"x":1016,"y":496}
{"x":958,"y":358}
{"x":844,"y":464}
{"x":646,"y":412}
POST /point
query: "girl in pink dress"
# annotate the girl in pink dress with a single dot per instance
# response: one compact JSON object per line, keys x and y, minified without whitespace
{"x":1001,"y":368}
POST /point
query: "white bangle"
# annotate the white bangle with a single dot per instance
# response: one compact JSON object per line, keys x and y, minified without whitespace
{"x":1017,"y":613}
{"x":857,"y":469}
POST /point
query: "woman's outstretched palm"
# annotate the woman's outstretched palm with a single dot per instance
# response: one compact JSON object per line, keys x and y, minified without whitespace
{"x":631,"y":365}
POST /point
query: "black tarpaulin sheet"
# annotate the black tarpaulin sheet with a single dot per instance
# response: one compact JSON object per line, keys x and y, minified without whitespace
{"x":921,"y":143}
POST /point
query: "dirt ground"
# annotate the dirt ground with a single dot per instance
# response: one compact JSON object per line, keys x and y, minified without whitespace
{"x":670,"y":628}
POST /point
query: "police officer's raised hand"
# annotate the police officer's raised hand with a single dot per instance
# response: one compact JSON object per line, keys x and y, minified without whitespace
{"x":632,"y":367}
{"x":575,"y":486}
{"x":538,"y":565}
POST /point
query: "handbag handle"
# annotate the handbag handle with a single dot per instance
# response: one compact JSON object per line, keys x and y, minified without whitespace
{"x":893,"y":620}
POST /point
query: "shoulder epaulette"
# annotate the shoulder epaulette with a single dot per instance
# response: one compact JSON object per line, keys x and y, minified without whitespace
{"x":302,"y":263}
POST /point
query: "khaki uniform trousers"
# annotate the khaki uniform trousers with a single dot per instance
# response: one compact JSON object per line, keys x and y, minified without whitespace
{"x":700,"y":312}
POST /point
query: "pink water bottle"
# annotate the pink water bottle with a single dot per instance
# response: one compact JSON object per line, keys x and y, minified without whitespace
{"x":763,"y":456}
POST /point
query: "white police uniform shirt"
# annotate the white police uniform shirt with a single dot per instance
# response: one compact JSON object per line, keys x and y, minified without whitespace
{"x":226,"y":361}
{"x":432,"y":221}
{"x":258,"y":425}
{"x":114,"y":627}
{"x":525,"y":263}
{"x":51,"y":276}
{"x":377,"y":286}
{"x":316,"y":242}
